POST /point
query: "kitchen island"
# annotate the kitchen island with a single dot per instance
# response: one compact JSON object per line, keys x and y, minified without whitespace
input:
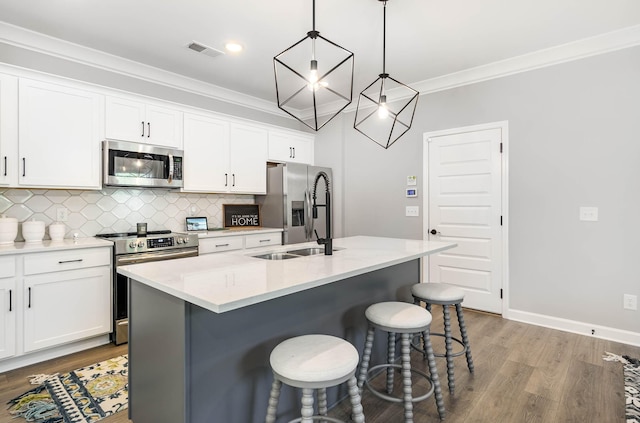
{"x":202,"y":328}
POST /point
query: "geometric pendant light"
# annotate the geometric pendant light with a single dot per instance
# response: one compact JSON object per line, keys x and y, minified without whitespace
{"x":314,"y":78}
{"x":378,"y":120}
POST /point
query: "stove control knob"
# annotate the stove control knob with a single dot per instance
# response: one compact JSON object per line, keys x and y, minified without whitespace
{"x":179,"y":240}
{"x":185,"y":240}
{"x":140,"y":244}
{"x":132,"y":244}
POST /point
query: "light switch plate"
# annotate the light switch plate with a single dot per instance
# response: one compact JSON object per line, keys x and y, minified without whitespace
{"x":589,"y":214}
{"x":413,"y":211}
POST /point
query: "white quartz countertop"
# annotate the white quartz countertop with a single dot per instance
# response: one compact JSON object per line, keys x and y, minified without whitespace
{"x":228,"y":281}
{"x":47,"y":246}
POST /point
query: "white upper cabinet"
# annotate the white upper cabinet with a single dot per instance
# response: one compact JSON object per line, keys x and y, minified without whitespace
{"x":60,"y":129}
{"x":290,"y":147}
{"x":147,"y":122}
{"x":8,"y":129}
{"x":224,"y":156}
{"x":248,"y":159}
{"x":206,"y":154}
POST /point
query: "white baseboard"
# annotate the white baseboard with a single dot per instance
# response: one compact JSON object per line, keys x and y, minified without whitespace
{"x":582,"y":328}
{"x":48,"y":354}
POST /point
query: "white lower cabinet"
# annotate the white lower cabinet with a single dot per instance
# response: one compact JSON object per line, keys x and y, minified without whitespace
{"x":238,"y":242}
{"x":56,"y":298}
{"x":66,"y":306}
{"x":8,"y":311}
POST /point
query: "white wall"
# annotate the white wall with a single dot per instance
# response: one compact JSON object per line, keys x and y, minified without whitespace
{"x":574,"y":141}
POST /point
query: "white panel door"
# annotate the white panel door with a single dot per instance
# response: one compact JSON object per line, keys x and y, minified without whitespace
{"x":465,"y":207}
{"x":125,"y":119}
{"x":8,"y":129}
{"x":8,"y":303}
{"x":164,"y":126}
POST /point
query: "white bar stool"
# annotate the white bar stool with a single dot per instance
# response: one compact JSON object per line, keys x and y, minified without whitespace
{"x":407,"y":319}
{"x":446,"y":295}
{"x":314,"y":362}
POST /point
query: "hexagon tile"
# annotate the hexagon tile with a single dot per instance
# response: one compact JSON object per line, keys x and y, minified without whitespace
{"x":114,"y":210}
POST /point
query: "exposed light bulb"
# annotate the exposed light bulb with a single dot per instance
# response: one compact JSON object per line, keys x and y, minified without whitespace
{"x":383,"y":112}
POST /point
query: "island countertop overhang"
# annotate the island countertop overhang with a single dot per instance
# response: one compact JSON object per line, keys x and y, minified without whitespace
{"x":227,"y":281}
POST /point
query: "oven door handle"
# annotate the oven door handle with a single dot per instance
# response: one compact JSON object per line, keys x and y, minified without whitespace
{"x":155,"y":256}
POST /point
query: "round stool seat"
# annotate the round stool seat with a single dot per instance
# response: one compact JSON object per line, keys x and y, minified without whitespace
{"x":393,"y":316}
{"x":314,"y":361}
{"x":438,"y":293}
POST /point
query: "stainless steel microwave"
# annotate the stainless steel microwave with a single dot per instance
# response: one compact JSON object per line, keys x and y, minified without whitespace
{"x":128,"y":164}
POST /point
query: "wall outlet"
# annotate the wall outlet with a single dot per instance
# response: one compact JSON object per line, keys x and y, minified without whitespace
{"x":589,"y":214}
{"x":413,"y":211}
{"x":62,"y":214}
{"x":630,"y":302}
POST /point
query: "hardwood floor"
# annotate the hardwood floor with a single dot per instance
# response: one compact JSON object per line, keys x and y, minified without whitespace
{"x":523,"y":373}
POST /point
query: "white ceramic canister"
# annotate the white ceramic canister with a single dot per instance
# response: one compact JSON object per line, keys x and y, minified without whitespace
{"x":57,"y":231}
{"x":8,"y":230}
{"x":33,"y":230}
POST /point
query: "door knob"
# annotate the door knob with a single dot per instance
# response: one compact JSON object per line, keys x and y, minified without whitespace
{"x":434,"y":232}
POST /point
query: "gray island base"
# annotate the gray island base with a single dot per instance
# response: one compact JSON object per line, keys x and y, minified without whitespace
{"x":191,"y":364}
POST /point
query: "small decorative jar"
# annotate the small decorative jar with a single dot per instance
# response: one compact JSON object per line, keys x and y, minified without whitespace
{"x":33,"y":230}
{"x":57,"y":231}
{"x":8,"y":230}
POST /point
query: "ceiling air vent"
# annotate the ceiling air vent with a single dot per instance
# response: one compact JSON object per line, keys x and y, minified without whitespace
{"x":201,"y":48}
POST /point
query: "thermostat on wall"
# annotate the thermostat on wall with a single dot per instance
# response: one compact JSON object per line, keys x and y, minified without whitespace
{"x":412,"y":192}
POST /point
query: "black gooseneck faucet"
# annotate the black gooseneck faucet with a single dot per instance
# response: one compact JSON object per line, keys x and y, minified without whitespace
{"x":327,"y":242}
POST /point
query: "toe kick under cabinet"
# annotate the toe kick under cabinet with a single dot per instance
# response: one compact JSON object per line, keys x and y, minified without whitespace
{"x":53,"y":298}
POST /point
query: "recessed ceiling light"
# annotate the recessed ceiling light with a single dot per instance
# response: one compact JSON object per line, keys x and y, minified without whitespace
{"x":233,"y":47}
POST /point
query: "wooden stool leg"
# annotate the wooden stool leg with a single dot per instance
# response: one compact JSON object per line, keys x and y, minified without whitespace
{"x":465,"y":338}
{"x":322,"y":401}
{"x":307,"y":405}
{"x":435,"y":379}
{"x":366,"y":356}
{"x":406,"y":378}
{"x":449,"y":348}
{"x":273,"y":401}
{"x":357,"y":415}
{"x":391,"y":358}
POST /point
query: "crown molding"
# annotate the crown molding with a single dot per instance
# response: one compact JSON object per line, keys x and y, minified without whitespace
{"x":576,"y":50}
{"x":34,"y":41}
{"x":592,"y":46}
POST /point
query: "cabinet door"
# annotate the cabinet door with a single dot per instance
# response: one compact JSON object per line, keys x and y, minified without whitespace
{"x":8,"y":302}
{"x":290,"y":147}
{"x":62,"y":307}
{"x":125,"y":120}
{"x":164,"y":126}
{"x":206,"y":154}
{"x":248,"y":159}
{"x":8,"y":129}
{"x":59,"y":136}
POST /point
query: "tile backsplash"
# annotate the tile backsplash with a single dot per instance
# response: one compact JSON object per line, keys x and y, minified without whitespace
{"x":114,"y":209}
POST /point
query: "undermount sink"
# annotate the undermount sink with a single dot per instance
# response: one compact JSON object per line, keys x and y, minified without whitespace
{"x":275,"y":256}
{"x":301,"y":252}
{"x":311,"y":251}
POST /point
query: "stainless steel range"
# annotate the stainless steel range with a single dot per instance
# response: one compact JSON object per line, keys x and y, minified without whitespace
{"x":129,"y":248}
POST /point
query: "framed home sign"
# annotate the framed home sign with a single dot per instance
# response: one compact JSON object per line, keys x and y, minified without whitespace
{"x":241,"y":215}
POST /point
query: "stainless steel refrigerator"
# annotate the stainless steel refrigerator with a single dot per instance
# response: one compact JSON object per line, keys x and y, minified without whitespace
{"x":288,"y":201}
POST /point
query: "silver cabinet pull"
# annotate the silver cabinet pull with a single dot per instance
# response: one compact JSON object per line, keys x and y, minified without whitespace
{"x":264,"y":240}
{"x":70,"y":261}
{"x":222,"y":245}
{"x":148,"y":129}
{"x":142,"y":135}
{"x":226,"y":179}
{"x":233,"y":176}
{"x":294,"y":152}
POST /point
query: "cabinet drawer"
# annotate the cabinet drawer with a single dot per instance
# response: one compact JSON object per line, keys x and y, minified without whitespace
{"x":216,"y":245}
{"x":66,"y":260}
{"x":7,"y":267}
{"x":262,"y":240}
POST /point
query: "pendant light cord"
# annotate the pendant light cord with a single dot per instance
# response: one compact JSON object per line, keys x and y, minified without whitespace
{"x":313,"y":16}
{"x":384,"y":37}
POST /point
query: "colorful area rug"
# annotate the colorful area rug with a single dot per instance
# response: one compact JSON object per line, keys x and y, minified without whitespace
{"x":631,"y":385}
{"x":82,"y":396}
